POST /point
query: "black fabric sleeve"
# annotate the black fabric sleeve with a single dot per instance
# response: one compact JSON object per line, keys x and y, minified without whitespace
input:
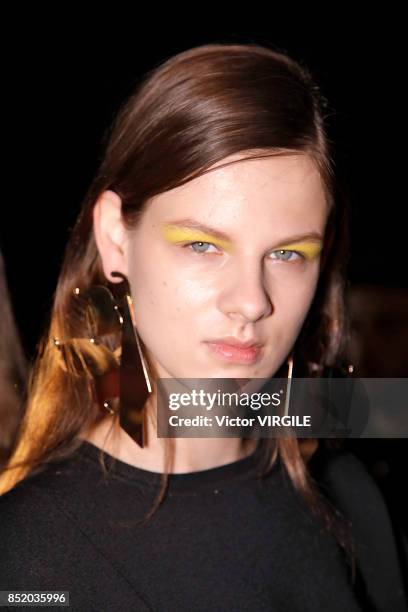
{"x":354,"y":492}
{"x":42,"y":549}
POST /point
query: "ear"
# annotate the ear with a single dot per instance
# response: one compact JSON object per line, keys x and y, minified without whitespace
{"x":110,"y":234}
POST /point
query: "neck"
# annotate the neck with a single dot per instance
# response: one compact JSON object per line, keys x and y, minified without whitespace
{"x":190,"y":454}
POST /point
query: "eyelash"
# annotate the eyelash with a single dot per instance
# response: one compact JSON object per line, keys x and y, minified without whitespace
{"x":189,"y":244}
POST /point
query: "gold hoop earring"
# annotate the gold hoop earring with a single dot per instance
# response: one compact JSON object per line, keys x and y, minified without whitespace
{"x":288,"y":385}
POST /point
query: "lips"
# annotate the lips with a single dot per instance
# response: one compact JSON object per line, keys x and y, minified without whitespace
{"x":233,"y":350}
{"x":232,"y":341}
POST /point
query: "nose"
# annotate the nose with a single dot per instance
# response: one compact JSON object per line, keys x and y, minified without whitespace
{"x":243,"y":294}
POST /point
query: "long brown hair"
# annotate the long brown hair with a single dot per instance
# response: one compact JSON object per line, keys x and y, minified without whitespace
{"x":186,"y":114}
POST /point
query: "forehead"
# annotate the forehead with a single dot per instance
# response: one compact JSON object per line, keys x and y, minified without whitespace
{"x":275,"y":190}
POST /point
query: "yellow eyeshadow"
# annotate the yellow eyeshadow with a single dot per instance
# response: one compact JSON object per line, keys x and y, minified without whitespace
{"x":310,"y":249}
{"x":177,"y":234}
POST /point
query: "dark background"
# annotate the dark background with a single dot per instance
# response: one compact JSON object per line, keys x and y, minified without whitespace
{"x":64,"y":79}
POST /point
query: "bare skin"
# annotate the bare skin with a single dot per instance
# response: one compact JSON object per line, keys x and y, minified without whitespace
{"x":253,"y":274}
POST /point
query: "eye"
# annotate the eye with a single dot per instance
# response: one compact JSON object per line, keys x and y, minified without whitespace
{"x":202,"y":246}
{"x":285,"y":255}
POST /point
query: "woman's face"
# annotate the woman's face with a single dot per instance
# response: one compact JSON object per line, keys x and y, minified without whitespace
{"x":234,"y":253}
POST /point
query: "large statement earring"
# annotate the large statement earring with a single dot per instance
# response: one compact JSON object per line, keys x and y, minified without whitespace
{"x":119,"y":388}
{"x":134,"y":382}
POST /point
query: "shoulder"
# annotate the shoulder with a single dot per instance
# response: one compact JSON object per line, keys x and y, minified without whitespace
{"x":345,"y":479}
{"x":349,"y":485}
{"x":347,"y":482}
{"x":25,"y":498}
{"x":32,"y":530}
{"x":43,"y":539}
{"x":42,"y":485}
{"x":46,"y":544}
{"x":29,"y":510}
{"x":38,"y":510}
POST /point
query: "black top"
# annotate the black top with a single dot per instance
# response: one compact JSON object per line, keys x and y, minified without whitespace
{"x":222,"y":540}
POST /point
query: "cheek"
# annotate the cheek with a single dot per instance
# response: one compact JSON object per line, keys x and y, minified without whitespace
{"x":294,"y":298}
{"x":168,"y":293}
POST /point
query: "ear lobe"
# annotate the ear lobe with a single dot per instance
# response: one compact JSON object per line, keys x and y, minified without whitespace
{"x":110,"y":233}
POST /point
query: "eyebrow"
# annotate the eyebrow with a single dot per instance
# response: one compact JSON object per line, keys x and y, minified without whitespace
{"x":206,"y":229}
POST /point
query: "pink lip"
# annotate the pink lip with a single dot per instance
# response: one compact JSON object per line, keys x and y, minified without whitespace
{"x":235,"y":351}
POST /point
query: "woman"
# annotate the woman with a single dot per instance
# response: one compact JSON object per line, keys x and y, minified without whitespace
{"x":214,"y":219}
